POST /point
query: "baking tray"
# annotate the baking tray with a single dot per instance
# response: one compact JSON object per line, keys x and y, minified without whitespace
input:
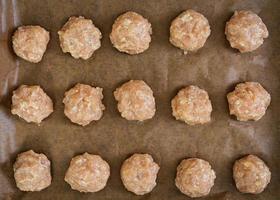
{"x":216,"y":67}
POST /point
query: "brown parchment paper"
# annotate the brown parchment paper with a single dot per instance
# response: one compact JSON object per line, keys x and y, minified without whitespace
{"x":216,"y":68}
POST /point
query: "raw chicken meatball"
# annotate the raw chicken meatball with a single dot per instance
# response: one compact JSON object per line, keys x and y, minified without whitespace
{"x":30,"y":42}
{"x":31,"y":103}
{"x":189,"y":31}
{"x":248,"y":101}
{"x":245,"y":31}
{"x":251,"y":174}
{"x":195,"y":177}
{"x":32,"y":171}
{"x":87,"y":173}
{"x":192,"y":105}
{"x":83,"y":104}
{"x":135,"y":100}
{"x":79,"y":37}
{"x":131,"y":33}
{"x":139,"y":173}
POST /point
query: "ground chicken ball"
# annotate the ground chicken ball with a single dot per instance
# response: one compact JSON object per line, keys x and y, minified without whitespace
{"x":79,"y":37}
{"x":245,"y":31}
{"x":30,"y":42}
{"x":32,"y":171}
{"x":251,"y":174}
{"x":31,"y":103}
{"x":248,"y":101}
{"x":195,"y":177}
{"x":83,"y":104}
{"x":139,"y":173}
{"x":189,"y":31}
{"x":131,"y":33}
{"x":192,"y":105}
{"x":135,"y":100}
{"x":87,"y":173}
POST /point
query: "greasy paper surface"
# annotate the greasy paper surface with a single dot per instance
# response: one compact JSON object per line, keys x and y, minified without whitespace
{"x":216,"y":68}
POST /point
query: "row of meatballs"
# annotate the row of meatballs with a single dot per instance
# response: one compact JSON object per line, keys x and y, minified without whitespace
{"x":90,"y":173}
{"x":83,"y":103}
{"x":131,"y":33}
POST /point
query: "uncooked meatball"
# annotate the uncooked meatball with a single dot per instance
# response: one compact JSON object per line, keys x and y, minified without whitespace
{"x":131,"y":33}
{"x":189,"y":31}
{"x":30,"y":42}
{"x":248,"y":101}
{"x":245,"y":31}
{"x":195,"y":177}
{"x":139,"y":173}
{"x":31,"y":103}
{"x":192,"y":105}
{"x":251,"y":174}
{"x":83,"y":104}
{"x":87,"y":173}
{"x":79,"y":37}
{"x":135,"y":100}
{"x":32,"y":171}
